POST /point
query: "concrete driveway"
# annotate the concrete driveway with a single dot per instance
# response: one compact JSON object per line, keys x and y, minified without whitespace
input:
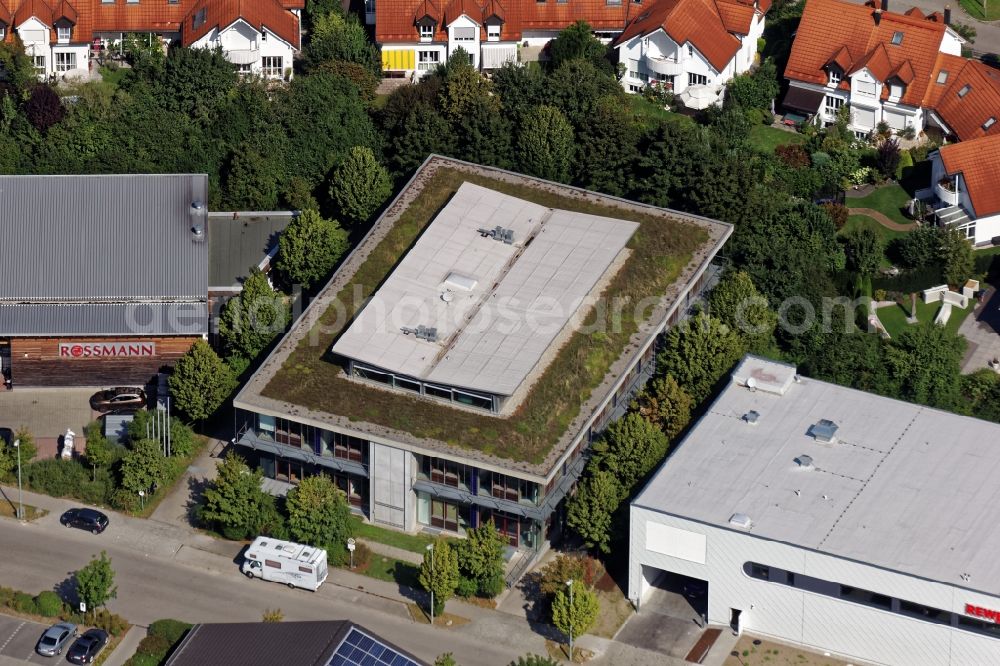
{"x":47,"y":413}
{"x":17,"y":641}
{"x":666,"y":623}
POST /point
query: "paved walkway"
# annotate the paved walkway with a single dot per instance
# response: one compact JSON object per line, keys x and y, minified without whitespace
{"x":982,"y":330}
{"x":882,"y":219}
{"x":127,"y":647}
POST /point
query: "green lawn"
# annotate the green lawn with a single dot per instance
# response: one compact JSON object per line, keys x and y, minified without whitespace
{"x":894,"y":317}
{"x":766,"y":138}
{"x":648,"y":112}
{"x":975,"y":9}
{"x":415,"y":543}
{"x":890,"y":200}
{"x":392,"y":570}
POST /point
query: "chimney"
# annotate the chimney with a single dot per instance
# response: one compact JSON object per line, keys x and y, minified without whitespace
{"x":877,"y":15}
{"x":947,"y":14}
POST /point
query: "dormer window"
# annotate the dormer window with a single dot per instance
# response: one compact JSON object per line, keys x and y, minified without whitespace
{"x":897,"y":38}
{"x":426,"y":31}
{"x":493,"y":32}
{"x":63,"y":33}
{"x":199,"y":18}
{"x":895,"y":89}
{"x":990,"y":122}
{"x":834,"y":76}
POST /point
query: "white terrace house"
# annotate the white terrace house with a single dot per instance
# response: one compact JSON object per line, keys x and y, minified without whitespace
{"x":57,"y":57}
{"x":965,"y":188}
{"x":693,"y":63}
{"x":257,"y":51}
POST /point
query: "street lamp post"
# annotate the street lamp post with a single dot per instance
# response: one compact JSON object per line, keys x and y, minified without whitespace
{"x":569,"y":584}
{"x":430,"y":547}
{"x":20,"y":493}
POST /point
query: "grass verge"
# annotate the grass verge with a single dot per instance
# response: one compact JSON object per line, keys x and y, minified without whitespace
{"x":766,"y":138}
{"x":445,"y":619}
{"x":660,"y":249}
{"x":893,"y":317}
{"x":649,"y":113}
{"x":415,"y":543}
{"x":30,"y":512}
{"x":389,"y":569}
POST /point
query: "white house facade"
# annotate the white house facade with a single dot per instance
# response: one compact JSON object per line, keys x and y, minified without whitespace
{"x":829,"y":518}
{"x":254,"y":51}
{"x":965,"y":188}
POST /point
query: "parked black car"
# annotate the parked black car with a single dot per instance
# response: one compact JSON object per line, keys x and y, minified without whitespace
{"x":87,"y":647}
{"x":85,"y":519}
{"x":119,"y":397}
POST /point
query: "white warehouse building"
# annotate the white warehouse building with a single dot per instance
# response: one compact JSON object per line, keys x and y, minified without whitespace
{"x":828,"y":517}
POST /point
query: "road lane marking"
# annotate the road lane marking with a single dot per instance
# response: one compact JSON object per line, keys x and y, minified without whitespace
{"x":11,"y":637}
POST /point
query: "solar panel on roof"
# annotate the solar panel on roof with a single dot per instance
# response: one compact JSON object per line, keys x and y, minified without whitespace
{"x":360,"y":649}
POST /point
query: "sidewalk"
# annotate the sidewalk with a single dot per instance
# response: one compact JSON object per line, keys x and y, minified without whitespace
{"x":127,"y":647}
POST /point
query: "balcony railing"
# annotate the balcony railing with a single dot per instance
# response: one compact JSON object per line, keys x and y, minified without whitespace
{"x":947,"y":191}
{"x":663,"y":65}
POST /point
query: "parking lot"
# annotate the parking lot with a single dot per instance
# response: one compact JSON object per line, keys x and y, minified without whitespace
{"x":47,"y":413}
{"x":17,"y":642}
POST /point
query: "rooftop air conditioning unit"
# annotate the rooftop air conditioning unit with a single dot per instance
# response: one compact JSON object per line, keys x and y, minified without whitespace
{"x":824,"y":431}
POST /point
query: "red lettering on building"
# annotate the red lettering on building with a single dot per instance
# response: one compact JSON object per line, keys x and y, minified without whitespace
{"x":985,"y":613}
{"x":74,"y":350}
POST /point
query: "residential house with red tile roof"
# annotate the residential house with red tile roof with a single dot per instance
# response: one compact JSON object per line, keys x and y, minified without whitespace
{"x":692,"y":46}
{"x":965,"y":185}
{"x":713,"y":39}
{"x":883,"y":65}
{"x":61,"y":36}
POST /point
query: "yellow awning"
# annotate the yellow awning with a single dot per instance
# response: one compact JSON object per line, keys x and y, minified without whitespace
{"x":398,"y":59}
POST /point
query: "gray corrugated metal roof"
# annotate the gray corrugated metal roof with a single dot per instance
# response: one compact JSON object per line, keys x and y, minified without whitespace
{"x":23,"y":320}
{"x":237,"y":243}
{"x":108,"y":237}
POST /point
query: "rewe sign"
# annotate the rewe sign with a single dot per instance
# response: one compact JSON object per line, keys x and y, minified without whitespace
{"x":985,"y":613}
{"x":74,"y":350}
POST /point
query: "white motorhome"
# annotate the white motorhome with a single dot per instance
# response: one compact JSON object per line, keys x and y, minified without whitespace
{"x":294,"y":564}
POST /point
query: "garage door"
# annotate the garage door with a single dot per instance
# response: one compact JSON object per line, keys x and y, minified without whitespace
{"x":897,"y":121}
{"x":864,"y":117}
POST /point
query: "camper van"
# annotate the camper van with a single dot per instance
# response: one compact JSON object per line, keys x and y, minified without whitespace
{"x":294,"y":564}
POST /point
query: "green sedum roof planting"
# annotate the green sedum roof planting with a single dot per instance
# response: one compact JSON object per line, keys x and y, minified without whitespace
{"x":302,"y":379}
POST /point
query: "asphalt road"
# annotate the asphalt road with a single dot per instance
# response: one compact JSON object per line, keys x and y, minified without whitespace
{"x":44,"y":555}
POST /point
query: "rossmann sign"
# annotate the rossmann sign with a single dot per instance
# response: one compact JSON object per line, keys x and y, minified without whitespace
{"x":73,"y":350}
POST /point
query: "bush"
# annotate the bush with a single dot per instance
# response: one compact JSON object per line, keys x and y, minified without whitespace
{"x":24,"y":603}
{"x":766,"y":117}
{"x":793,"y":155}
{"x":362,"y":555}
{"x":48,"y":604}
{"x":154,"y":646}
{"x":6,"y":596}
{"x":491,"y":586}
{"x":171,"y":630}
{"x":905,"y":164}
{"x":467,"y":587}
{"x":555,"y":574}
{"x":838,"y":213}
{"x":114,"y":624}
{"x":761,"y":43}
{"x":754,"y":116}
{"x":56,"y":477}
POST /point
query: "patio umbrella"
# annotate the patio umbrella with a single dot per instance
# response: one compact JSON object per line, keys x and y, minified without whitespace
{"x":699,"y":97}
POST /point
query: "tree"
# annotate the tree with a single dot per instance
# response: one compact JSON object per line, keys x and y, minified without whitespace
{"x":252,"y":178}
{"x":589,"y":511}
{"x":698,"y":353}
{"x":309,"y":248}
{"x":864,"y":251}
{"x":143,"y":467}
{"x":577,"y":42}
{"x":439,"y":573}
{"x":925,"y":364}
{"x":423,"y":132}
{"x":545,"y":144}
{"x":235,"y":501}
{"x":43,"y":108}
{"x":100,"y":452}
{"x":887,"y":157}
{"x":606,"y":149}
{"x":201,"y":382}
{"x":480,"y":557}
{"x":755,"y":90}
{"x":250,"y":321}
{"x":194,"y":80}
{"x":921,"y":247}
{"x":484,"y":134}
{"x":336,"y":37}
{"x":27,"y":444}
{"x":957,"y":256}
{"x":318,"y":514}
{"x":576,"y":88}
{"x":464,"y":88}
{"x":578,"y":616}
{"x":95,"y":582}
{"x":669,"y":154}
{"x":534,"y":660}
{"x":520,"y":88}
{"x":555,"y":574}
{"x":359,"y":185}
{"x":736,"y":302}
{"x":731,"y":124}
{"x":666,"y":404}
{"x":629,"y":449}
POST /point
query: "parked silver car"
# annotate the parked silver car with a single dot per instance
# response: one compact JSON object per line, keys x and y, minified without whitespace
{"x":55,"y":639}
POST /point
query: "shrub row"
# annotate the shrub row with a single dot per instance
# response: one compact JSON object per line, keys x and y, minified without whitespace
{"x":161,"y":637}
{"x":50,"y":605}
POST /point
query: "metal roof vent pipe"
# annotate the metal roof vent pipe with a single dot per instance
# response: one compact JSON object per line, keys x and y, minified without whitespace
{"x":804,"y":462}
{"x":752,"y":417}
{"x":198,"y":232}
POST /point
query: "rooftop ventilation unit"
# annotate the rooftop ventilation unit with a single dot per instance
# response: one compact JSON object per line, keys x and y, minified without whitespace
{"x":752,"y":417}
{"x":498,"y":233}
{"x":804,"y":461}
{"x":740,"y":520}
{"x":198,"y":232}
{"x":421,"y":332}
{"x":824,"y":431}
